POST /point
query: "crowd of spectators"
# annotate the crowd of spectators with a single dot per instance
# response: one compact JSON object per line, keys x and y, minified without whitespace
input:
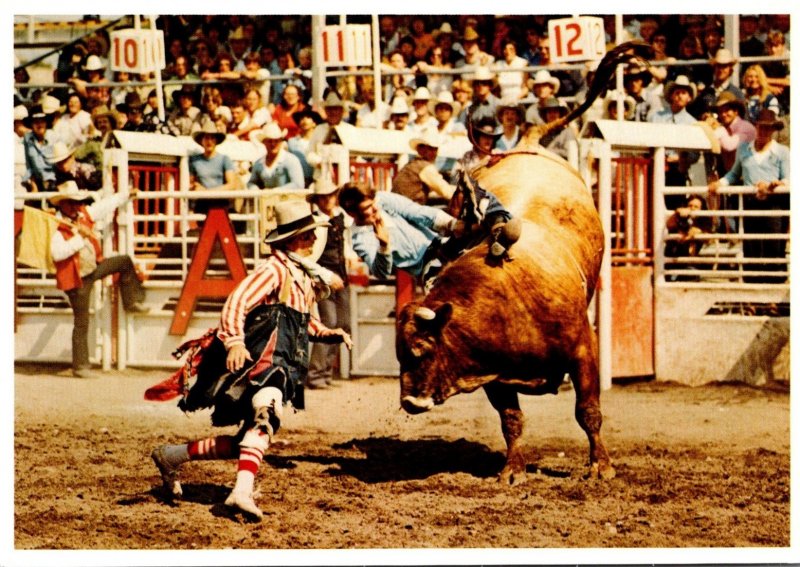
{"x":235,"y":75}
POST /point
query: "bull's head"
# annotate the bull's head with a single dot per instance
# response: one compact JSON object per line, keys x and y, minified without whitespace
{"x":419,"y":336}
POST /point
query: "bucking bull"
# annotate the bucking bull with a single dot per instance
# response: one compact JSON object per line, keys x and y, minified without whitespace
{"x":519,"y":326}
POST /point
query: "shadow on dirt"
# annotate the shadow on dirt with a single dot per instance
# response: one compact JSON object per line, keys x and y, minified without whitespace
{"x":388,"y":459}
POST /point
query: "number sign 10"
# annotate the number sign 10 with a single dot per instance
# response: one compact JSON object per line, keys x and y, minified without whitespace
{"x":137,"y":51}
{"x":576,"y":39}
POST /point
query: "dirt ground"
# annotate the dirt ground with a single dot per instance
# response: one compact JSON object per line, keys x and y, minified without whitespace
{"x":703,"y":467}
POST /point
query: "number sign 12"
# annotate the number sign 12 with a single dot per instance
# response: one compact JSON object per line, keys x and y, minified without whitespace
{"x":576,"y":39}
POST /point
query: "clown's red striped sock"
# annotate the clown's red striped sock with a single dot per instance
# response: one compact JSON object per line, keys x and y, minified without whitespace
{"x":219,"y":447}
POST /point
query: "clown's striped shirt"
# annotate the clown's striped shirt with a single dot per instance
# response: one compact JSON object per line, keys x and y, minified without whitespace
{"x":263,"y":287}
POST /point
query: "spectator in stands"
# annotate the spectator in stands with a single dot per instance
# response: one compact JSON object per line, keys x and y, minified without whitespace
{"x":679,"y":94}
{"x":401,"y":77}
{"x":758,"y":94}
{"x":203,"y":59}
{"x":660,"y":74}
{"x":39,"y":174}
{"x":88,"y":87}
{"x":389,"y":36}
{"x":257,"y":75}
{"x":371,"y":114}
{"x":431,"y":67}
{"x":749,"y":44}
{"x":238,"y":48}
{"x":730,"y":128}
{"x":407,"y":46}
{"x":712,"y":43}
{"x":118,"y":93}
{"x":611,"y":106}
{"x":328,"y":133}
{"x":533,"y":40}
{"x":284,"y":112}
{"x":462,"y":92}
{"x":181,"y":72}
{"x":279,"y":168}
{"x":722,"y":66}
{"x":445,"y":109}
{"x":239,"y":121}
{"x":511,"y":116}
{"x":777,"y":71}
{"x":544,"y":86}
{"x":423,"y":40}
{"x":391,"y":231}
{"x":76,"y":251}
{"x":104,"y":121}
{"x":307,"y":121}
{"x":211,"y":170}
{"x":223,"y":71}
{"x":474,"y":56}
{"x":688,"y":226}
{"x":66,"y":168}
{"x":419,"y":178}
{"x":183,"y":119}
{"x":256,"y":108}
{"x":20,"y":129}
{"x":689,"y":48}
{"x":212,"y":110}
{"x":336,"y":255}
{"x":484,"y":102}
{"x":635,"y":81}
{"x":763,"y":164}
{"x":512,"y":83}
{"x":558,"y":142}
{"x":399,"y":115}
{"x":422,"y":115}
{"x":73,"y":127}
{"x":444,"y":39}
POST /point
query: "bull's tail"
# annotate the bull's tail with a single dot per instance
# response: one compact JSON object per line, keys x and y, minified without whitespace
{"x":631,"y":51}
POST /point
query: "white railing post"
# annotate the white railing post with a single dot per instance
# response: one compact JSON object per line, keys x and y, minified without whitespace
{"x":604,"y":289}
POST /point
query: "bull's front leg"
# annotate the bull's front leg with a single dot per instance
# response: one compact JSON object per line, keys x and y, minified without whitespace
{"x":586,"y":380}
{"x":505,"y":400}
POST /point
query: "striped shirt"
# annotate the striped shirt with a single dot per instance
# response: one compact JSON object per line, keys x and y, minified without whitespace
{"x":263,"y":287}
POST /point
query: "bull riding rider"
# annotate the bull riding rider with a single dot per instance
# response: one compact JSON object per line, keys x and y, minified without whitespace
{"x":255,"y":362}
{"x":79,"y":262}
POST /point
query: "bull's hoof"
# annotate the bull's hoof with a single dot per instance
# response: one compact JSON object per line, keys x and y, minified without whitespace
{"x":601,"y":471}
{"x":512,"y":476}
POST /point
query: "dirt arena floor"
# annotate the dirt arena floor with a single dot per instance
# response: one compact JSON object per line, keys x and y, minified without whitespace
{"x":700,"y":467}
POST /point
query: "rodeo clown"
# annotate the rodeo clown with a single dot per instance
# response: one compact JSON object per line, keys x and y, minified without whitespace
{"x":255,"y":362}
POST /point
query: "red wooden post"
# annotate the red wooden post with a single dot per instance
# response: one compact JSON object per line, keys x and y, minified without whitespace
{"x":216,"y":227}
{"x":404,"y":289}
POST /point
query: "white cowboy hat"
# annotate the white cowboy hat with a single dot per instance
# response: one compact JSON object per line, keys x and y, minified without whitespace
{"x":482,"y":74}
{"x":93,"y":63}
{"x":422,"y":93}
{"x":544,"y":76}
{"x":51,"y":105}
{"x":445,"y":97}
{"x":69,"y":190}
{"x":58,"y":152}
{"x":322,"y":186}
{"x":723,"y":57}
{"x":629,"y":104}
{"x":399,"y":106}
{"x":293,"y":217}
{"x":270,"y":131}
{"x":429,"y":137}
{"x":20,"y":112}
{"x":680,"y":82}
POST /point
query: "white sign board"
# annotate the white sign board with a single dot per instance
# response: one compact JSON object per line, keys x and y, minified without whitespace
{"x":137,"y":51}
{"x":344,"y":46}
{"x":581,"y":38}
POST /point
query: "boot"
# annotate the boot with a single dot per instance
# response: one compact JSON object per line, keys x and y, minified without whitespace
{"x":504,"y":236}
{"x":243,"y":501}
{"x":168,"y":470}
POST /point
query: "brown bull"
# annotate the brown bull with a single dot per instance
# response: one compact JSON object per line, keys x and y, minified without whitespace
{"x":518,"y":326}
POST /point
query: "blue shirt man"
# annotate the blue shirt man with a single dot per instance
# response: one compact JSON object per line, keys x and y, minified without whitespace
{"x":392,"y":231}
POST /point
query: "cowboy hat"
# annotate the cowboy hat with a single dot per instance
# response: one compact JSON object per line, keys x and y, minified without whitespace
{"x":184,"y":91}
{"x":680,"y":82}
{"x":445,"y":98}
{"x":103,"y":110}
{"x":470,"y":34}
{"x":270,"y":131}
{"x":333,"y":99}
{"x":487,"y":126}
{"x":51,"y":105}
{"x":321,"y":187}
{"x":723,"y":57}
{"x":208,"y":129}
{"x":237,"y":34}
{"x":444,"y":29}
{"x":636,"y":71}
{"x":483,"y":74}
{"x":58,"y":152}
{"x":422,"y":93}
{"x":399,"y":106}
{"x":543,"y":76}
{"x":293,"y":218}
{"x":511,"y":105}
{"x":727,"y":98}
{"x":307,"y":112}
{"x":69,"y":191}
{"x":132,"y":102}
{"x":20,"y":112}
{"x":552,"y":102}
{"x":627,"y":101}
{"x":429,"y":137}
{"x":93,"y":63}
{"x":768,"y":118}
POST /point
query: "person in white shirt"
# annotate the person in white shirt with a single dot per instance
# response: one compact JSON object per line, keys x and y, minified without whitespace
{"x":511,"y":115}
{"x":422,"y":120}
{"x":512,"y":83}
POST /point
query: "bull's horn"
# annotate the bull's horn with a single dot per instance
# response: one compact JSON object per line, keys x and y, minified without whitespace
{"x":425,"y":313}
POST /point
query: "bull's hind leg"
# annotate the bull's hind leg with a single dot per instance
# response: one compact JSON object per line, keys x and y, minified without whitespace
{"x":505,"y":400}
{"x":586,"y":380}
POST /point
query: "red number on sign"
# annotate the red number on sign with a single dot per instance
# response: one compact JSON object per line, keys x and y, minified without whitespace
{"x":340,"y":39}
{"x":325,"y":46}
{"x":557,"y":32}
{"x":571,"y":49}
{"x":130,"y":53}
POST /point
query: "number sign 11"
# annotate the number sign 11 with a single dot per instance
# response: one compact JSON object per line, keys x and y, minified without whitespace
{"x":581,"y":38}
